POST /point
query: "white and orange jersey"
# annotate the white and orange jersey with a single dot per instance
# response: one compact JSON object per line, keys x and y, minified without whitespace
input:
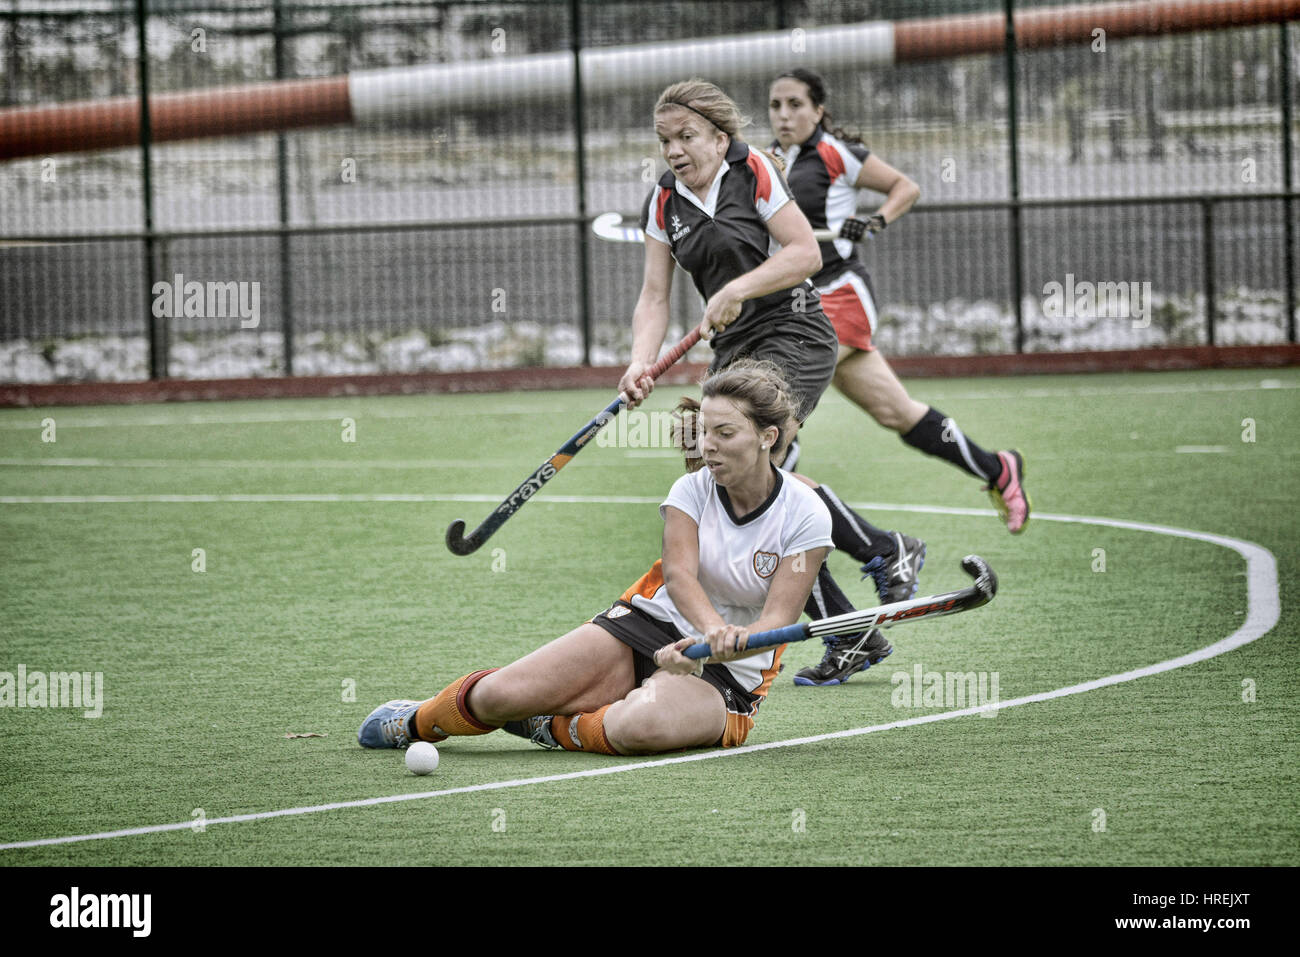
{"x":738,"y":558}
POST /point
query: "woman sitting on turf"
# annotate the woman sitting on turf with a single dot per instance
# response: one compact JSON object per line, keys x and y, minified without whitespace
{"x":742,"y":546}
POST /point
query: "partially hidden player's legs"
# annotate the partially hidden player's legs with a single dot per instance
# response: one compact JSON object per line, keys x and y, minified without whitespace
{"x":850,"y":531}
{"x":874,"y":547}
{"x":866,"y":379}
{"x":892,"y":559}
{"x":844,"y":654}
{"x":667,"y":713}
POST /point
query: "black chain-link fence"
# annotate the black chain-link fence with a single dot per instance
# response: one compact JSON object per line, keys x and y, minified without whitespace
{"x":1140,"y":198}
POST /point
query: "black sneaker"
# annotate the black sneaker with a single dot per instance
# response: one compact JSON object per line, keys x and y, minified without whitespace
{"x":846,"y":656}
{"x":536,"y":729}
{"x":897,"y":574}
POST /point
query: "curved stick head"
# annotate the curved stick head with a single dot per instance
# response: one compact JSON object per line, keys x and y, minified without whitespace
{"x":985,"y":578}
{"x":606,"y":224}
{"x":456,"y":540}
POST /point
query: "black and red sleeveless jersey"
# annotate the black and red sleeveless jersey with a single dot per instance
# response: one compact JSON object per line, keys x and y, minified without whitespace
{"x":821,"y":172}
{"x":725,"y":236}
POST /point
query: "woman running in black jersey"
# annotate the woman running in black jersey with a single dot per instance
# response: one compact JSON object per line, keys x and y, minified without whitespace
{"x":724,"y":212}
{"x":825,"y":168}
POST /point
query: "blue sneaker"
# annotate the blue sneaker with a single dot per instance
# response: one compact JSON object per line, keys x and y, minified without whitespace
{"x":386,"y":725}
{"x":896,"y":575}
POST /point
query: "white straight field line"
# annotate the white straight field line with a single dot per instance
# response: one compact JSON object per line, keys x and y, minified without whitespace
{"x":31,"y":418}
{"x":307,"y":464}
{"x":67,"y":420}
{"x":71,"y":421}
{"x":304,"y":464}
{"x":1262,"y":597}
{"x":319,"y":497}
{"x":1099,"y":392}
{"x":632,"y":458}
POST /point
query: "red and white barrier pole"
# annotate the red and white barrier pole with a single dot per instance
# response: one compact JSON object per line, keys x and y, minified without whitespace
{"x":411,"y":94}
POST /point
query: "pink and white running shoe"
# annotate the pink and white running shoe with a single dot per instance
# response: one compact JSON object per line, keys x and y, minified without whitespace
{"x":1008,"y":493}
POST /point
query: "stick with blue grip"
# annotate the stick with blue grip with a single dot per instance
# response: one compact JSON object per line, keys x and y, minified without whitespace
{"x":979,"y":593}
{"x":462,"y":544}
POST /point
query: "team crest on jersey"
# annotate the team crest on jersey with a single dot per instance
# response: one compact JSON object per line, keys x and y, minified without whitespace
{"x":765,"y":563}
{"x":618,"y":611}
{"x":678,"y":229}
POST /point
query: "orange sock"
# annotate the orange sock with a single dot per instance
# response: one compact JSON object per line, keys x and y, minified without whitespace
{"x":446,"y":714}
{"x":582,"y":732}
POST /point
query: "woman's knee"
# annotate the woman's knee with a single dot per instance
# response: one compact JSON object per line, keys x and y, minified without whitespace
{"x":895,"y":416}
{"x":496,"y":698}
{"x":646,"y":722}
{"x":633,"y":725}
{"x":866,"y":379}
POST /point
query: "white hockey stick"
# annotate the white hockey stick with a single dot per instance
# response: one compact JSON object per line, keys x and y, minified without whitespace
{"x":610,"y":226}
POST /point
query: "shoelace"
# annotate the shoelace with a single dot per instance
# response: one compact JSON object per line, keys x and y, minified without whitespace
{"x":845,"y":655}
{"x":877,"y":571}
{"x":542,"y":735}
{"x":900,"y":566}
{"x":394,"y":729}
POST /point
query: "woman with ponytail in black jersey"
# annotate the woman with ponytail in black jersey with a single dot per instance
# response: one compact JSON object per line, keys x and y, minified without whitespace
{"x":825,"y":168}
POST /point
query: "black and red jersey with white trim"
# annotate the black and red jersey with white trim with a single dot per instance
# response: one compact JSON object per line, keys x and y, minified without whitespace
{"x":725,"y":235}
{"x":821,"y":172}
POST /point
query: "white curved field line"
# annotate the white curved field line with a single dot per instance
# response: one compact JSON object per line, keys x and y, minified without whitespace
{"x":30,"y":419}
{"x":1262,"y":596}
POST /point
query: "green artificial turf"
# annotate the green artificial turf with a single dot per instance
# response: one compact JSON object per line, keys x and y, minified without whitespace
{"x":310,"y":613}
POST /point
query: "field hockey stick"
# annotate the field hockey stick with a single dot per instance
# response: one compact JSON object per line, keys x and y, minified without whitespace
{"x":610,"y":226}
{"x":974,"y":596}
{"x":462,"y":544}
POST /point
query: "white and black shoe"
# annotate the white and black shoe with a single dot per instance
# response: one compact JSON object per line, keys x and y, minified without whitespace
{"x":845,"y":657}
{"x":897,"y":574}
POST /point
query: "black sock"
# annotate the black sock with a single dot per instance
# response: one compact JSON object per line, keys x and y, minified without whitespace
{"x":827,"y":599}
{"x":852,"y":533}
{"x":938,"y":435}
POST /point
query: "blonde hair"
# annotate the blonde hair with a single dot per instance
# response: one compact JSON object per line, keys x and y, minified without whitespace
{"x":707,"y":100}
{"x":756,"y":386}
